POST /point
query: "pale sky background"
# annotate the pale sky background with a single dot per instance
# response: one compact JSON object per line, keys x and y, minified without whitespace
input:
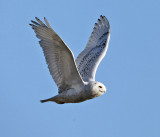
{"x":130,"y":70}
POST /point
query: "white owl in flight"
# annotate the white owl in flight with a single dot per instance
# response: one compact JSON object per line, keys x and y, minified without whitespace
{"x":75,"y":78}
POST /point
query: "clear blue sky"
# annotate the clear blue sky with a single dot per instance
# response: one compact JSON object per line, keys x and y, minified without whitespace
{"x":130,"y":70}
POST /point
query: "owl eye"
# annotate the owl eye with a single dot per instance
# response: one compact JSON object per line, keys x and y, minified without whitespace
{"x":100,"y":86}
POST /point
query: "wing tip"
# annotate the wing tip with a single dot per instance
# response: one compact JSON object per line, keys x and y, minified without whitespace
{"x":101,"y":27}
{"x":38,"y":22}
{"x":102,"y":24}
{"x":104,"y":20}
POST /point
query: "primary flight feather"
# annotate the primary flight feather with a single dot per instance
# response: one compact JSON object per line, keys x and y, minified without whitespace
{"x":75,"y":79}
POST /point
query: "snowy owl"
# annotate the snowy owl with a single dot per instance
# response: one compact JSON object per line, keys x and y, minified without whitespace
{"x":75,"y":78}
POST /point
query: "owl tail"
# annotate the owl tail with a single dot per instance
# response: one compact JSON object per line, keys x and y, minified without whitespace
{"x":43,"y":101}
{"x":46,"y":100}
{"x":54,"y":99}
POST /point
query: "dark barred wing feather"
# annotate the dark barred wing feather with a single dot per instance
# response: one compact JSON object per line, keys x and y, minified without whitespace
{"x":88,"y":60}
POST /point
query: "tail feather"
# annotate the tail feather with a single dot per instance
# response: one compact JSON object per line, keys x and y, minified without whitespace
{"x":54,"y":99}
{"x":43,"y":101}
{"x":46,"y":100}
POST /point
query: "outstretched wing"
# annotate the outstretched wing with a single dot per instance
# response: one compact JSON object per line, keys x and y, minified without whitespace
{"x":89,"y":59}
{"x":58,"y":56}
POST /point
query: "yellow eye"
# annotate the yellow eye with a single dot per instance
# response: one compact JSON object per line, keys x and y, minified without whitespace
{"x":100,"y":86}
